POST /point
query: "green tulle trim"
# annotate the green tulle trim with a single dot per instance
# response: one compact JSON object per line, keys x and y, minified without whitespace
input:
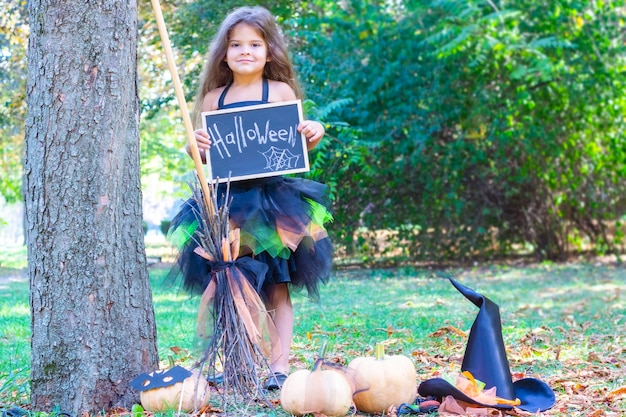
{"x":181,"y":235}
{"x":319,"y":213}
{"x":257,"y":236}
{"x":267,"y":239}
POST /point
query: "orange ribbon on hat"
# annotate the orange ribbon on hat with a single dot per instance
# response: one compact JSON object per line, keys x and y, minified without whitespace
{"x":474,"y":388}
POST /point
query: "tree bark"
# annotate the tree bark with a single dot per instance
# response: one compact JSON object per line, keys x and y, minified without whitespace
{"x":93,"y":326}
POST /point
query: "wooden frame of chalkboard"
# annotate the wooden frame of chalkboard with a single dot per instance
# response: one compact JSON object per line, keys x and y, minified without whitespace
{"x":255,"y":141}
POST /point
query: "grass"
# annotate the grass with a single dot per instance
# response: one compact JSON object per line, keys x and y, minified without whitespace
{"x":562,"y":323}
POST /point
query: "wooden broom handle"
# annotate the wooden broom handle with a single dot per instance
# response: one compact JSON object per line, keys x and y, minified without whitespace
{"x":182,"y":103}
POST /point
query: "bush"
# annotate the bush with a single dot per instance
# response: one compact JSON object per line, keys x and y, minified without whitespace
{"x":486,"y":129}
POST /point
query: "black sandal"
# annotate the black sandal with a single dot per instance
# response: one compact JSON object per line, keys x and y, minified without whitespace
{"x":14,"y":411}
{"x":275,"y":381}
{"x":215,"y":379}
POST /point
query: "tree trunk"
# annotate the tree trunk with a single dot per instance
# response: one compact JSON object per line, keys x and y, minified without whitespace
{"x":93,"y":327}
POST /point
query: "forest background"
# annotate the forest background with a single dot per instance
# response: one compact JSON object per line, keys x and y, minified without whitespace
{"x":465,"y":130}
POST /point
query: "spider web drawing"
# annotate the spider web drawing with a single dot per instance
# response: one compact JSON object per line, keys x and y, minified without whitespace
{"x":280,"y":159}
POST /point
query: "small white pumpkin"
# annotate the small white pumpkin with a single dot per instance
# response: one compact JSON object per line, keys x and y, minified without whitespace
{"x":323,"y":391}
{"x":390,"y":380}
{"x":189,"y":395}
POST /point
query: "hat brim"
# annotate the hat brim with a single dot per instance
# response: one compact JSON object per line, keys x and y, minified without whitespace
{"x":534,"y":395}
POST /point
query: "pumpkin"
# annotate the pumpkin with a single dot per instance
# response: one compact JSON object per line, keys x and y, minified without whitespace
{"x":389,"y":381}
{"x":180,"y":394}
{"x":324,"y":391}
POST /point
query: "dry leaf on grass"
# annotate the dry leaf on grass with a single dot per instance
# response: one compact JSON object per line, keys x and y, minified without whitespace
{"x":447,"y":330}
{"x":618,"y":392}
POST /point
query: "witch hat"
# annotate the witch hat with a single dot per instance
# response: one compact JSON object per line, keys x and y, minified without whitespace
{"x":485,"y":358}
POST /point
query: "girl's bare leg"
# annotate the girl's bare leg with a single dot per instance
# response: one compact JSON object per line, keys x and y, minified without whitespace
{"x":279,"y":302}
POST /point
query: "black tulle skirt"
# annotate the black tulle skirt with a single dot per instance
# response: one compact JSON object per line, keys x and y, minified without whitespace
{"x":281,"y":221}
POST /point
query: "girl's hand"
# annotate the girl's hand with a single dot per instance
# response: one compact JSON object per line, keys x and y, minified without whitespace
{"x":313,"y":131}
{"x":203,"y":141}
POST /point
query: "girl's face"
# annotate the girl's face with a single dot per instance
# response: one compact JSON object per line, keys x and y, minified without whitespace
{"x":247,"y":51}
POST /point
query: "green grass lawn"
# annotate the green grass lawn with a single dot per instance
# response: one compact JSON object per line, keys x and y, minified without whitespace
{"x":564,"y":324}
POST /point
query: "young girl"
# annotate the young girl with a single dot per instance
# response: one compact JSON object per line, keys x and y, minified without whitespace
{"x":281,"y":218}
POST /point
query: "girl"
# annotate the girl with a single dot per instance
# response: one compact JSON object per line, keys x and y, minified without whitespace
{"x":281,"y":218}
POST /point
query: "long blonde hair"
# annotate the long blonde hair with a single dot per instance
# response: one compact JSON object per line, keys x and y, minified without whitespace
{"x":216,"y":72}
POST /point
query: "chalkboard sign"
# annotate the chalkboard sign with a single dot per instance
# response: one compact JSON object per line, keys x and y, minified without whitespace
{"x":255,"y":141}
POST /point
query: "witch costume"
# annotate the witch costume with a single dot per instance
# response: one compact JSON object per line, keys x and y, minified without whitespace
{"x":281,"y":220}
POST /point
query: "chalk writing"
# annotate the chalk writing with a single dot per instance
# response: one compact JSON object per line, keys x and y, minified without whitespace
{"x":239,"y":136}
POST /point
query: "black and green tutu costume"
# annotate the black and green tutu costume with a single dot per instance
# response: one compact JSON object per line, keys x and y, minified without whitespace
{"x":281,"y":220}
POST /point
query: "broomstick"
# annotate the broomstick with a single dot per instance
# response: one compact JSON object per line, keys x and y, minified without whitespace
{"x":237,"y":320}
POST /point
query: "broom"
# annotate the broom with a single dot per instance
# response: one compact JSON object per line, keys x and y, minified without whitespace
{"x":231,"y":315}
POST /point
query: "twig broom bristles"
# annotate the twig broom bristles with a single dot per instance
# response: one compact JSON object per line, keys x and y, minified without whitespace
{"x":231,"y":316}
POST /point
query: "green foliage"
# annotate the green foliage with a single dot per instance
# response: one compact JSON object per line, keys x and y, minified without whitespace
{"x":492,"y":127}
{"x":464,"y":128}
{"x":13,"y":40}
{"x":335,"y":156}
{"x":529,"y":146}
{"x":162,"y":146}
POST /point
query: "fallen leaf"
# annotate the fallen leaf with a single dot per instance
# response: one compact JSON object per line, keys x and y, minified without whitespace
{"x":446,"y":330}
{"x":618,"y":392}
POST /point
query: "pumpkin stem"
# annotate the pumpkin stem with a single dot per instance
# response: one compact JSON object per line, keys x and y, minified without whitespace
{"x":321,"y":356}
{"x":318,"y":363}
{"x":380,"y":351}
{"x":171,"y":361}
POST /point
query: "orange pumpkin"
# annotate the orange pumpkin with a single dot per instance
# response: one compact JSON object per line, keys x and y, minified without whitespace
{"x":323,"y":391}
{"x":390,"y":380}
{"x":189,"y":395}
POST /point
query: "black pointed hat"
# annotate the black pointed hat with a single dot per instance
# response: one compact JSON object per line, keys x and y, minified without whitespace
{"x":485,"y":358}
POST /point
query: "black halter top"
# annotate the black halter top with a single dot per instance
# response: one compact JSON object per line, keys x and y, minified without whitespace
{"x":264,"y":98}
